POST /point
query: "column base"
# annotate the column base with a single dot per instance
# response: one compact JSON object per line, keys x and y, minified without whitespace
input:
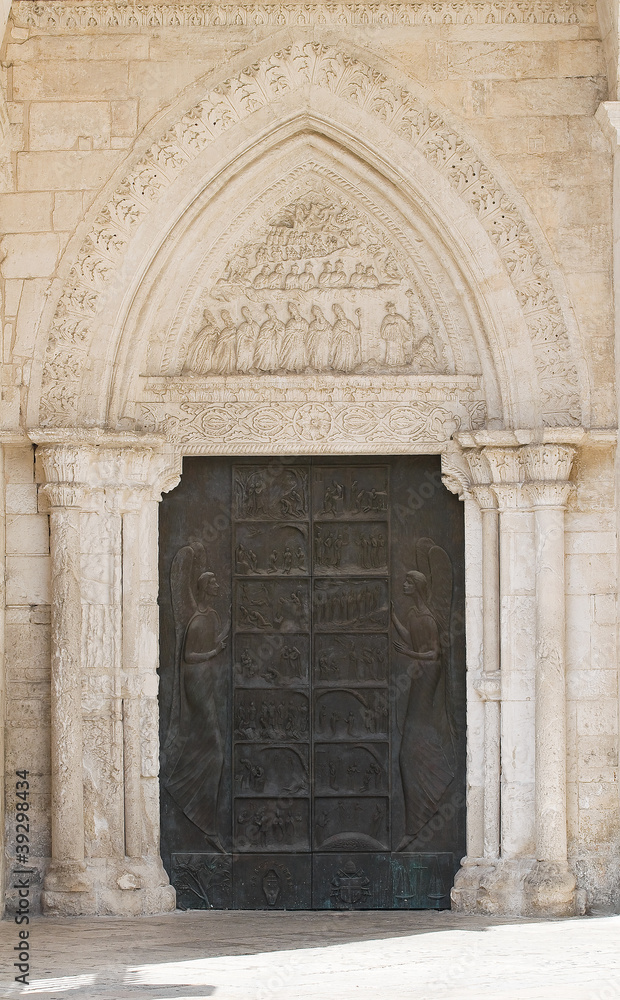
{"x":108,"y":887}
{"x":551,"y":890}
{"x":520,"y":887}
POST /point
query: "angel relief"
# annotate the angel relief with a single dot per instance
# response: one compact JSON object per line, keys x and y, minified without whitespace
{"x":427,"y":756}
{"x":193,"y":752}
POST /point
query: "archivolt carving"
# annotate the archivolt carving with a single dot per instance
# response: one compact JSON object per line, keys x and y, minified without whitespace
{"x":352,"y":81}
{"x":198,"y":15}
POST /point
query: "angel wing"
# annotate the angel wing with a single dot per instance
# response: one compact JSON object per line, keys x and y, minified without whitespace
{"x":436,"y":565}
{"x":189,"y":562}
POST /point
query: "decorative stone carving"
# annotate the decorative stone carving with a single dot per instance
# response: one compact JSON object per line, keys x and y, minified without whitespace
{"x":233,"y":428}
{"x":350,"y":80}
{"x":201,"y":15}
{"x":319,"y":291}
{"x":98,"y":487}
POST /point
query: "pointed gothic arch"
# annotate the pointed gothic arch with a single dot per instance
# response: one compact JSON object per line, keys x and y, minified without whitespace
{"x":525,"y":350}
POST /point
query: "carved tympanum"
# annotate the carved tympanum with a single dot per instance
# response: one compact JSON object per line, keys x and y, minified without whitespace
{"x":319,"y":291}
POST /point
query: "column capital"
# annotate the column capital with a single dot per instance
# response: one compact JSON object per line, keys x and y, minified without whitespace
{"x":516,"y":469}
{"x":122,"y":468}
{"x":547,"y":462}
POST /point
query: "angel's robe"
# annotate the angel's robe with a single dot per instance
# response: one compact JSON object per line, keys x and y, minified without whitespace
{"x":194,"y":781}
{"x":425,"y":767}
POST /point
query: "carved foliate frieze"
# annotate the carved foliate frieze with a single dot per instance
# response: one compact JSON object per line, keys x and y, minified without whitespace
{"x":119,"y":15}
{"x":352,"y":81}
{"x":232,"y":428}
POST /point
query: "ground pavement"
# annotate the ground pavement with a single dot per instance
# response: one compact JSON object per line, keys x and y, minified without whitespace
{"x":317,"y":956}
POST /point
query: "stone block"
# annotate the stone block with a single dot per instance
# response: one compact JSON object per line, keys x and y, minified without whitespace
{"x":578,"y":623}
{"x":33,"y":298}
{"x":597,"y":758}
{"x":30,"y":255}
{"x":598,"y":795}
{"x":592,"y":542}
{"x":19,"y":466}
{"x":605,"y":609}
{"x":514,"y":138}
{"x":590,"y":574}
{"x":517,"y":632}
{"x":525,"y":98}
{"x":27,"y":534}
{"x":580,"y":58}
{"x":61,"y":124}
{"x":520,"y":546}
{"x":165,"y":46}
{"x":162,"y":81}
{"x":27,"y":580}
{"x":518,"y":820}
{"x":21,"y":499}
{"x":512,"y":60}
{"x":25,"y":213}
{"x":65,"y":48}
{"x":604,"y":646}
{"x":597,"y":718}
{"x":583,"y":247}
{"x":28,"y":652}
{"x":68,"y":209}
{"x":47,"y":80}
{"x":27,"y":747}
{"x":586,"y":522}
{"x":597,"y":826}
{"x":518,"y":741}
{"x":124,"y":118}
{"x":12,"y":295}
{"x":70,"y":170}
{"x":591,"y":684}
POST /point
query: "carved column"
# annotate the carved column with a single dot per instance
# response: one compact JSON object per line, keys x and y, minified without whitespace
{"x":517,"y":599}
{"x":524,"y":571}
{"x":100,"y":488}
{"x":488,"y":684}
{"x":67,"y":873}
{"x":131,"y":591}
{"x":468,"y":474}
{"x":547,"y":470}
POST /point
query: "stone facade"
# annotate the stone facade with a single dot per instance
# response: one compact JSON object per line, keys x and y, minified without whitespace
{"x":311,"y":229}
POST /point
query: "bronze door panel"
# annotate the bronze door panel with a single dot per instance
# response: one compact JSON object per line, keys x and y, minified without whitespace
{"x":312,"y":684}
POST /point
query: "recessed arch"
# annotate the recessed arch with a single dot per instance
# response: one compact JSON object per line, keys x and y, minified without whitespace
{"x":361,"y":110}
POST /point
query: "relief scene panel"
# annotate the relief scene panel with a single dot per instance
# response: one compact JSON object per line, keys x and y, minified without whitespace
{"x":320,"y":286}
{"x":312,"y":705}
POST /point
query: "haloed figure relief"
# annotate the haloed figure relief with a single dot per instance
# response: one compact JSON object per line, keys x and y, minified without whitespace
{"x":427,"y":751}
{"x":194,"y":751}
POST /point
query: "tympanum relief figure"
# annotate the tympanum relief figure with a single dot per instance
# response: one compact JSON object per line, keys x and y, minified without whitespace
{"x":319,"y":292}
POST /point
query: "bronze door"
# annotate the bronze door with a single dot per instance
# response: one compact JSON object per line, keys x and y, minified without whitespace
{"x":312,"y":684}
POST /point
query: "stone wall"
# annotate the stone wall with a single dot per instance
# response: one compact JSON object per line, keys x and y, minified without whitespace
{"x":91,"y":88}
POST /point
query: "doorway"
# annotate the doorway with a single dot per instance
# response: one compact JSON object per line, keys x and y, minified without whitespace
{"x":312,"y":696}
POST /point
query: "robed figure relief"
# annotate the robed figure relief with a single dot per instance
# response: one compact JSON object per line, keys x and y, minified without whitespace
{"x":194,"y":747}
{"x":427,"y":757}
